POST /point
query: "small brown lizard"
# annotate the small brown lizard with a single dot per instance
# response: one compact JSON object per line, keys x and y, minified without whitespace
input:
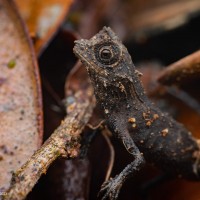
{"x":147,"y":133}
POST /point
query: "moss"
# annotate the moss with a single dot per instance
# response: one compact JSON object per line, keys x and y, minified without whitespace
{"x":11,"y":64}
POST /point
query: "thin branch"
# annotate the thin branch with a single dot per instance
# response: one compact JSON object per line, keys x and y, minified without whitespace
{"x":96,"y":126}
{"x":182,"y":71}
{"x":64,"y":142}
{"x":106,"y":134}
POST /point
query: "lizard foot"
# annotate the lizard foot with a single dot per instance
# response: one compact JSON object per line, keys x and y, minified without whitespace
{"x":111,"y":188}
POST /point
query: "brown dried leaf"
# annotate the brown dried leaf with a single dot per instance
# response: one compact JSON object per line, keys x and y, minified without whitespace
{"x":138,"y":18}
{"x":156,"y":15}
{"x":20,"y":95}
{"x":43,"y":18}
{"x":77,"y":79}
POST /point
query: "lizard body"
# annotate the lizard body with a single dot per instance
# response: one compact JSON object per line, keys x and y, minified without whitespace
{"x":147,"y":133}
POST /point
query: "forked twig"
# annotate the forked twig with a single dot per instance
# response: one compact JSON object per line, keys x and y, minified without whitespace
{"x":64,"y":142}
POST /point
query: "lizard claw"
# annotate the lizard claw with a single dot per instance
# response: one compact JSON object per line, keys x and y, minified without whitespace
{"x":111,"y":188}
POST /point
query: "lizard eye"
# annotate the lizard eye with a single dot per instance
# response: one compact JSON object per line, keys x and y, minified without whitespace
{"x":107,"y":53}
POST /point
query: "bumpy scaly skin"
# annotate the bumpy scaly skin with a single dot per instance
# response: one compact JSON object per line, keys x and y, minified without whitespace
{"x":147,"y":133}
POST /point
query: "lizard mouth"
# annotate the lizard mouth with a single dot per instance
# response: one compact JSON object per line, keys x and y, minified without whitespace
{"x":77,"y":48}
{"x":80,"y":50}
{"x":80,"y":45}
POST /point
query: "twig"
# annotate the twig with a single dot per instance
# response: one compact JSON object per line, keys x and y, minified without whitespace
{"x":96,"y":126}
{"x":64,"y":142}
{"x":182,"y":71}
{"x":185,"y":97}
{"x":106,"y":133}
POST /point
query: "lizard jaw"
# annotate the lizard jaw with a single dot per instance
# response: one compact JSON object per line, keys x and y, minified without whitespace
{"x":79,"y":49}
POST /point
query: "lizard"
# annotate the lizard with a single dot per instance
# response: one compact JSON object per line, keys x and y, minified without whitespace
{"x":146,"y":132}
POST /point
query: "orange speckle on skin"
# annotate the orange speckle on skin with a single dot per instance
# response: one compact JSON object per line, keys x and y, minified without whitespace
{"x":164,"y":132}
{"x":132,"y":120}
{"x":134,"y":125}
{"x":155,"y":116}
{"x":148,"y":123}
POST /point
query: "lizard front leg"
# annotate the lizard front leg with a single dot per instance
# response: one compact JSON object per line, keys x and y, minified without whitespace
{"x":111,"y":188}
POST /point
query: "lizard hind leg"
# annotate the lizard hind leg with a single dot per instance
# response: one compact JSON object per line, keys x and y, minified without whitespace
{"x":111,"y":188}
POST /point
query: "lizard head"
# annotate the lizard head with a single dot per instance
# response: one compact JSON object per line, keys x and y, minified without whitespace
{"x":104,"y":56}
{"x":110,"y":69}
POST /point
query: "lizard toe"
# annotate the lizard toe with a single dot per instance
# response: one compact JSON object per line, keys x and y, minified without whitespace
{"x":111,"y":188}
